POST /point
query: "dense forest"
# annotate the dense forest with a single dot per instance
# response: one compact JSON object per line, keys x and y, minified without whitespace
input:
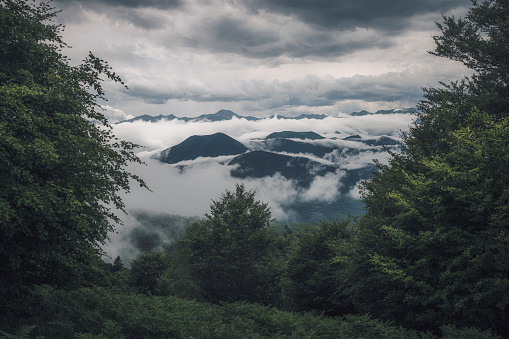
{"x":428,"y":259}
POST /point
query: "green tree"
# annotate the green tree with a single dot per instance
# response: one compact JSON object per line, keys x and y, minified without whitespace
{"x":314,"y":275}
{"x":117,"y":264}
{"x":61,"y":168}
{"x":147,"y":269}
{"x":481,"y":42}
{"x":228,"y":249}
{"x":438,"y":237}
{"x":433,"y":243}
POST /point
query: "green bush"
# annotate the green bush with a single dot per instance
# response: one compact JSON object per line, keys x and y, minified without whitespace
{"x":101,"y":313}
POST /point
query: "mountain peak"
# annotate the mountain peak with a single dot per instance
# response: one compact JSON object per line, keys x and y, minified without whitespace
{"x":223,"y":115}
{"x":213,"y":145}
{"x":218,"y":116}
{"x":226,"y":113}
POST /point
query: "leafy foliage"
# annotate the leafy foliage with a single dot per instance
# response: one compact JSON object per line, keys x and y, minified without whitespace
{"x":480,"y":41}
{"x":312,"y":272}
{"x":101,"y":313}
{"x":117,"y":264}
{"x":227,"y":250}
{"x":439,"y":234}
{"x":60,"y":165}
{"x":146,"y":270}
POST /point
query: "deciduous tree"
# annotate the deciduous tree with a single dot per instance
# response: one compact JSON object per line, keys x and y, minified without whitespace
{"x":61,"y":168}
{"x":438,"y":237}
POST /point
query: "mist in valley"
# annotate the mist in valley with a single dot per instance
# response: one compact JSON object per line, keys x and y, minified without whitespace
{"x":182,"y":193}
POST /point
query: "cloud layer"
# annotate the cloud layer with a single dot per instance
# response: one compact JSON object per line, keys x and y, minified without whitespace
{"x":190,"y":57}
{"x":190,"y":192}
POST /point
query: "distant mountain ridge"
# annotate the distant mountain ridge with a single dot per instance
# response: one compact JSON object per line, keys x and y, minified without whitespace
{"x":259,"y":164}
{"x":308,"y":161}
{"x":295,"y":135}
{"x":222,"y":115}
{"x":225,"y":115}
{"x":387,"y":111}
{"x":275,"y":154}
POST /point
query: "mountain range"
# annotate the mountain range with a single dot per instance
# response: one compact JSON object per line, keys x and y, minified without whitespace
{"x":224,"y":115}
{"x":300,"y":157}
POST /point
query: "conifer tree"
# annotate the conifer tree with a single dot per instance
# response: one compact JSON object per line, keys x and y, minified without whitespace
{"x":435,"y":237}
{"x":227,"y":250}
{"x":117,"y":264}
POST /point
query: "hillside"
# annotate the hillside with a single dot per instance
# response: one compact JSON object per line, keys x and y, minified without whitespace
{"x":259,"y":164}
{"x":297,"y":160}
{"x":295,"y":135}
{"x":202,"y":146}
{"x":296,"y":147}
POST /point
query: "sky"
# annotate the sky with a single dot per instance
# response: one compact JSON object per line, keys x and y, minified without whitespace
{"x":261,"y":57}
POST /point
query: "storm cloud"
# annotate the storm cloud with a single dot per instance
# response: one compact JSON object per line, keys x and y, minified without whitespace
{"x":271,"y":36}
{"x":260,"y":57}
{"x":387,"y":15}
{"x":402,"y":89}
{"x":160,"y":4}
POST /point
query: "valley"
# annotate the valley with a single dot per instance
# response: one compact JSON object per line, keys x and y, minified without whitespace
{"x":305,"y":159}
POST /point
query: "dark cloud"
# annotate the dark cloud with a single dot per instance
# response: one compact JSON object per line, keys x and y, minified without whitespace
{"x":312,"y":91}
{"x":143,"y":20}
{"x":260,"y":29}
{"x":125,"y":11}
{"x":348,"y":14}
{"x":247,"y":38}
{"x":320,"y":29}
{"x":206,"y":51}
{"x":230,"y":35}
{"x":161,"y":4}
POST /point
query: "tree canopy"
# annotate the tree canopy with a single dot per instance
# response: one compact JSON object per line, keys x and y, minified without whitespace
{"x":228,"y":248}
{"x":61,"y":168}
{"x":480,"y":41}
{"x":434,"y":240}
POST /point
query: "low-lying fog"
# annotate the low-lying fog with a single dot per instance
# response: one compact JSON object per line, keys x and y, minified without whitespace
{"x":189,"y":193}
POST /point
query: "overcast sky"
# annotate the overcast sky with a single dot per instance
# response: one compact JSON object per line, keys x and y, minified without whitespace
{"x":261,"y":57}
